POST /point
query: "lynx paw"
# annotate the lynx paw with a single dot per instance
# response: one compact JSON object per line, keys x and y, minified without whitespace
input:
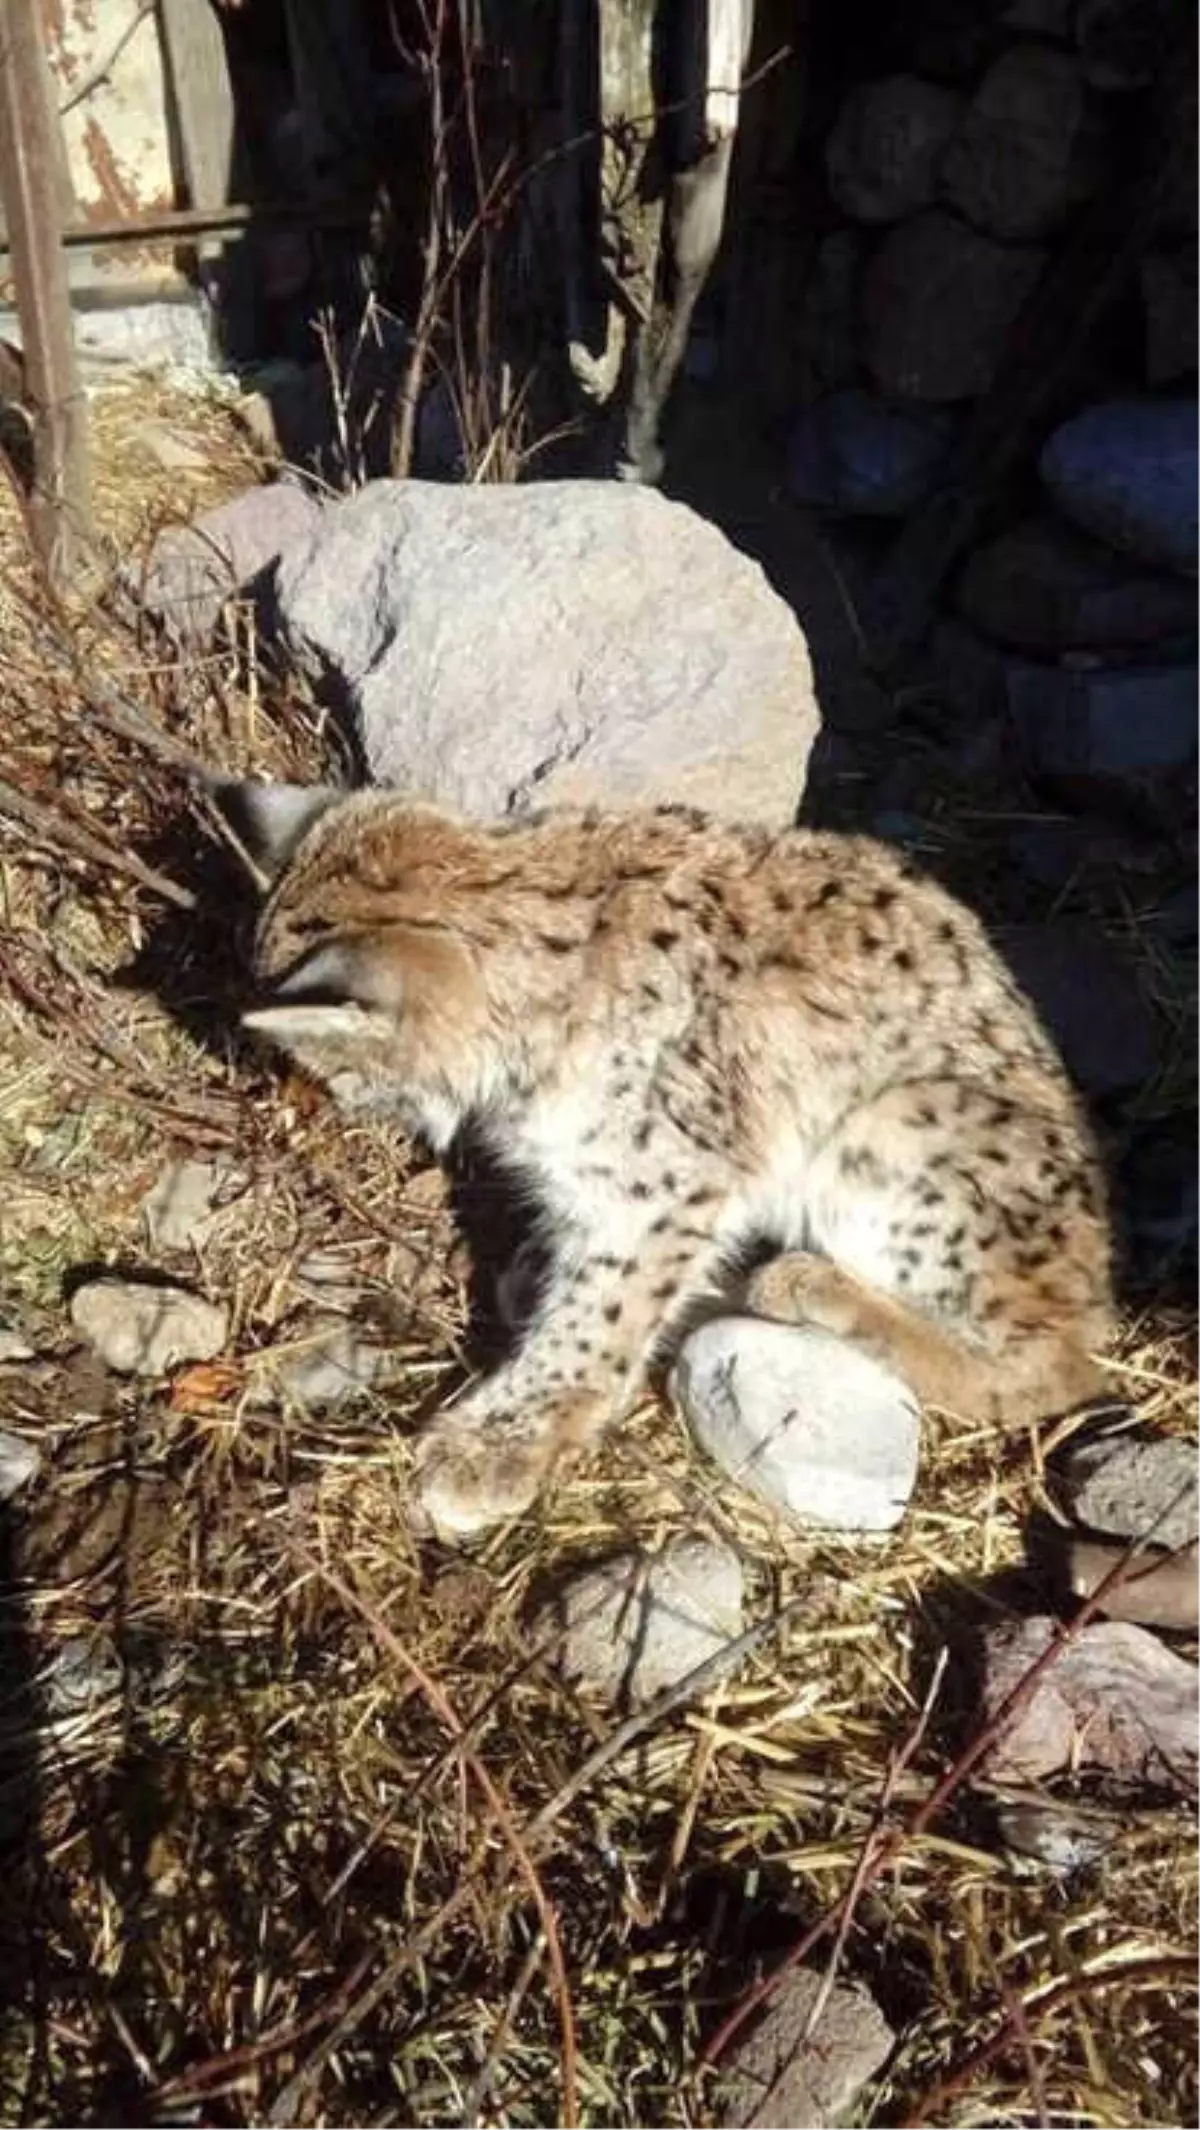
{"x":474,"y":1471}
{"x":800,"y":1288}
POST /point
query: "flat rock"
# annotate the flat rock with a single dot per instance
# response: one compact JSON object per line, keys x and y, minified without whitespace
{"x":330,"y":1364}
{"x":1041,"y":587}
{"x":566,"y":642}
{"x":1087,"y":993}
{"x":13,"y":1347}
{"x":178,"y":1209}
{"x":883,"y":152}
{"x":139,"y":1328}
{"x":804,"y":1420}
{"x":1103,"y":726}
{"x":855,"y":452}
{"x":20,"y":1461}
{"x":193,"y":569}
{"x":1158,"y":1589}
{"x":1024,"y":155}
{"x":1134,"y":1486}
{"x":781,"y":2075}
{"x":1126,"y":470}
{"x":938,"y":303}
{"x":1115,"y":1699}
{"x":635,"y":1625}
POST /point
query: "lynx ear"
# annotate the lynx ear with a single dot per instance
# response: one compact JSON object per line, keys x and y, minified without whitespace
{"x":270,"y":820}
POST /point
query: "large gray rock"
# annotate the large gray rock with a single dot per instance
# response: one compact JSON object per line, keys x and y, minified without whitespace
{"x":634,"y":1626}
{"x":570,"y":641}
{"x":883,"y":153}
{"x":939,"y":301}
{"x":1042,"y":587}
{"x":1023,"y":157}
{"x":855,"y":452}
{"x":791,"y":2069}
{"x":1127,"y":471}
{"x":802,"y":1419}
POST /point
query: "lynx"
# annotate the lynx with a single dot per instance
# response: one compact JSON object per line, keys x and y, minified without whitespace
{"x":683,"y":1039}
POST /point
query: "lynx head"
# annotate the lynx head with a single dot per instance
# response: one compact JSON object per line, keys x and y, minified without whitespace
{"x":359,"y":969}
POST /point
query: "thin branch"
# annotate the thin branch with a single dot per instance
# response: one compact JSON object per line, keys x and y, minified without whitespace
{"x":62,"y":832}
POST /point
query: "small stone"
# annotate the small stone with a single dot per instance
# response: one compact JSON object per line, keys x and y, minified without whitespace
{"x":1087,"y":993}
{"x":1114,"y":1698}
{"x":1054,"y":1836}
{"x":329,"y":1365}
{"x":194,"y":569}
{"x":14,"y":1348}
{"x":939,"y":301}
{"x":178,"y":1209}
{"x":1023,"y":157}
{"x":142,"y":1329}
{"x":781,"y":2074}
{"x":854,"y":452}
{"x":81,"y":1673}
{"x":1135,"y":1486}
{"x":802,"y":1419}
{"x":1126,"y":470}
{"x":636,"y":1625}
{"x":1158,"y":1589}
{"x":1041,"y":587}
{"x":883,"y":153}
{"x":20,"y":1461}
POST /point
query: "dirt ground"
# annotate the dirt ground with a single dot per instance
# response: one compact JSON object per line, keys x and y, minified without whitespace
{"x":270,"y":1766}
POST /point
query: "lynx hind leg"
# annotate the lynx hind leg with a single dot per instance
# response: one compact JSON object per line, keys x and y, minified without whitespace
{"x":967,"y":1246}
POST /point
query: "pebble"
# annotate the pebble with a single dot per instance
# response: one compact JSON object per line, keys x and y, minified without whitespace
{"x":1158,"y":1589}
{"x":804,"y":1420}
{"x":1114,"y":1699}
{"x":329,"y":1365}
{"x":81,"y":1673}
{"x":781,"y":2074}
{"x":1054,"y":1836}
{"x":178,"y":1209}
{"x":14,"y":1348}
{"x":1135,"y":1486}
{"x":20,"y":1461}
{"x":140,"y":1328}
{"x":636,"y":1625}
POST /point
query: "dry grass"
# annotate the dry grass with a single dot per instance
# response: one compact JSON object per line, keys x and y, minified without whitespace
{"x":289,"y":1868}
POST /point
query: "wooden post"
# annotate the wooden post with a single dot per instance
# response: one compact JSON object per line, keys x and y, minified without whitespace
{"x":30,"y":164}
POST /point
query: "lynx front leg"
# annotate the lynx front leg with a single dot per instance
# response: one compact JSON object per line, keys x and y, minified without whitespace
{"x":584,"y":1361}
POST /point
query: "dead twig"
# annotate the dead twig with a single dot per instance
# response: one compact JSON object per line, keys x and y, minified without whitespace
{"x":62,"y":832}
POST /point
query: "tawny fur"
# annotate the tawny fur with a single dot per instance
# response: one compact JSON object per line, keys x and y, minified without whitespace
{"x":684,"y":1038}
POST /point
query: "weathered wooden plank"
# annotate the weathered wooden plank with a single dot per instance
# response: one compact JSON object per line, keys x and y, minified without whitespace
{"x":30,"y":163}
{"x":202,"y":97}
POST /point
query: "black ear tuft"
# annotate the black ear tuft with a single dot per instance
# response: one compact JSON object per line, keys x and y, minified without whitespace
{"x":270,"y":821}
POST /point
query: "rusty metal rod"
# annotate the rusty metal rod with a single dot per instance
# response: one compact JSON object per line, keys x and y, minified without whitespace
{"x":199,"y":221}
